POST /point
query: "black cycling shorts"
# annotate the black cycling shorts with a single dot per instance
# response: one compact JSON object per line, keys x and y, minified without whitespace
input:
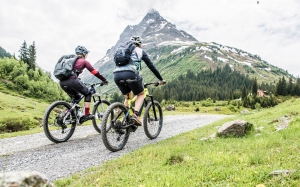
{"x":74,"y":87}
{"x":136,"y":87}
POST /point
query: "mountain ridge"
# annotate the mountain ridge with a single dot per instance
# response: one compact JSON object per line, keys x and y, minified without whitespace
{"x":176,"y":51}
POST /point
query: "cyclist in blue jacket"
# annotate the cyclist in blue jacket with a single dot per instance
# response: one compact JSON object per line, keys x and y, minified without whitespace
{"x":131,"y":71}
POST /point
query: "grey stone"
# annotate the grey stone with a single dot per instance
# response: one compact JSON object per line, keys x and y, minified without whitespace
{"x":234,"y":128}
{"x":24,"y":179}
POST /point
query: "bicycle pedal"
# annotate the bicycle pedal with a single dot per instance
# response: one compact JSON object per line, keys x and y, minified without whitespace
{"x":133,"y":128}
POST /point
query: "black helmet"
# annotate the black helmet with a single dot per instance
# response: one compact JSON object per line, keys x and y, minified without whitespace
{"x":136,"y":40}
{"x":81,"y":50}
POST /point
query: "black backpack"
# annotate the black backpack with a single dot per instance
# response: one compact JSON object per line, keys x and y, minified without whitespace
{"x":123,"y":52}
{"x":64,"y":67}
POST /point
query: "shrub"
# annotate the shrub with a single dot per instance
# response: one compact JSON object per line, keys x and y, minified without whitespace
{"x":257,"y":106}
{"x":16,"y":124}
{"x":2,"y":128}
{"x":232,"y":108}
{"x":185,"y":104}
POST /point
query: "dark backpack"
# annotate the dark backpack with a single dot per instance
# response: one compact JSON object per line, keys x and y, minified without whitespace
{"x":123,"y":53}
{"x":64,"y":67}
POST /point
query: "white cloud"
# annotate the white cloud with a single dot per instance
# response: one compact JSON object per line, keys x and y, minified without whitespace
{"x":269,"y":29}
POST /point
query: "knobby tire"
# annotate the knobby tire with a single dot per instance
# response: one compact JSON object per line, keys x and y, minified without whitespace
{"x":55,"y":130}
{"x":98,"y":111}
{"x":151,"y":126}
{"x":114,"y":137}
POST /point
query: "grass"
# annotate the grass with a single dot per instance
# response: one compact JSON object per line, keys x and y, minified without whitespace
{"x":186,"y":160}
{"x":16,"y":107}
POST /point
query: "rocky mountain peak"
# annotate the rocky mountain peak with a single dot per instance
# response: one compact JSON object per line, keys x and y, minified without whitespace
{"x":154,"y":30}
{"x":151,"y":16}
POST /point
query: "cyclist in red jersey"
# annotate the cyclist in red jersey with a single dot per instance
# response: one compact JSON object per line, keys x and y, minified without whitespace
{"x":74,"y":87}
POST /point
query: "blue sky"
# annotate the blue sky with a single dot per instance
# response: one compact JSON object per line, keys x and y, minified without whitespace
{"x":268,"y":28}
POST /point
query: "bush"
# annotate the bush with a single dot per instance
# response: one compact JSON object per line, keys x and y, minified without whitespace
{"x":257,"y":106}
{"x":16,"y":124}
{"x":2,"y":128}
{"x":207,"y":102}
{"x":232,"y":108}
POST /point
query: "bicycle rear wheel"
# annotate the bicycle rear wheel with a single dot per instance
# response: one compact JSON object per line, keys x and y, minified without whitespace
{"x":57,"y":126}
{"x":153,"y":119}
{"x":98,"y":111}
{"x":114,"y":135}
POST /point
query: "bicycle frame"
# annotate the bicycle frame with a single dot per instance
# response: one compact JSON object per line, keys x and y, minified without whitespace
{"x":117,"y":124}
{"x":96,"y":99}
{"x":146,"y":94}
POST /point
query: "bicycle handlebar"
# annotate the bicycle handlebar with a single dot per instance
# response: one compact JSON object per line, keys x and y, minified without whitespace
{"x":155,"y":83}
{"x":145,"y":84}
{"x":149,"y":83}
{"x":94,"y":84}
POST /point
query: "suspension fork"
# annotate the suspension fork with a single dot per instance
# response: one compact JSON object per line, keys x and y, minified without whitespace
{"x":153,"y":107}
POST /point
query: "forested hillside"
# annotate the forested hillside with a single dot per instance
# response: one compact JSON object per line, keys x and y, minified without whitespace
{"x":3,"y":53}
{"x":222,"y":84}
{"x":17,"y":78}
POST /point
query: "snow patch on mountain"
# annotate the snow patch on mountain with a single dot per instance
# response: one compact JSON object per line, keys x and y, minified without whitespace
{"x":177,"y":42}
{"x":209,"y":58}
{"x":222,"y":59}
{"x":176,"y":51}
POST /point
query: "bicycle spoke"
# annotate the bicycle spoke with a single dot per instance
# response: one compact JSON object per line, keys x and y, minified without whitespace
{"x":98,"y":111}
{"x":58,"y":123}
{"x":114,"y":135}
{"x":153,"y":120}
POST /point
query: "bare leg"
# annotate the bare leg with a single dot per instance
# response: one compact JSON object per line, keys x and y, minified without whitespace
{"x":139,"y":101}
{"x":138,"y":104}
{"x":130,"y":96}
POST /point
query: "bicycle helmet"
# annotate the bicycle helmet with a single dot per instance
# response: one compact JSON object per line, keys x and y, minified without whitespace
{"x":81,"y":50}
{"x":136,"y":40}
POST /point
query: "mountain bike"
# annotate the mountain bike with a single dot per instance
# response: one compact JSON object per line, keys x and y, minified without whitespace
{"x":61,"y":117}
{"x":116,"y":123}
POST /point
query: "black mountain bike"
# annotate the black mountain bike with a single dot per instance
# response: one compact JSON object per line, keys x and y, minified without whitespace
{"x":61,"y":117}
{"x":117,"y":125}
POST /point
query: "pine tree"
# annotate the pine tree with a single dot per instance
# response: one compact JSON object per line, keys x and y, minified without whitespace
{"x":297,"y":87}
{"x":244,"y":92}
{"x":281,"y":87}
{"x":32,"y":56}
{"x":254,"y":87}
{"x":24,"y":54}
{"x":290,"y":86}
{"x":284,"y":85}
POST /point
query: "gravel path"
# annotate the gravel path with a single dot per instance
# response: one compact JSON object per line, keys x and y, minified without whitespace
{"x":84,"y":149}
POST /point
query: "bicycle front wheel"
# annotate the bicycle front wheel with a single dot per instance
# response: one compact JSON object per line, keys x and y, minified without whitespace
{"x":113,"y":131}
{"x":98,"y":111}
{"x":153,"y":119}
{"x":58,"y":123}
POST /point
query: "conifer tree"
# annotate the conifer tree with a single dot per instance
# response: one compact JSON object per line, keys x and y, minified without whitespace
{"x":289,"y":86}
{"x":24,"y":54}
{"x":244,"y":92}
{"x":254,"y":87}
{"x":284,"y":86}
{"x":297,"y":87}
{"x":32,"y":56}
{"x":281,"y":87}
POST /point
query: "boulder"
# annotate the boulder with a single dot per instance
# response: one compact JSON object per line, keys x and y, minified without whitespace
{"x":235,"y":128}
{"x":170,"y":108}
{"x":24,"y":179}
